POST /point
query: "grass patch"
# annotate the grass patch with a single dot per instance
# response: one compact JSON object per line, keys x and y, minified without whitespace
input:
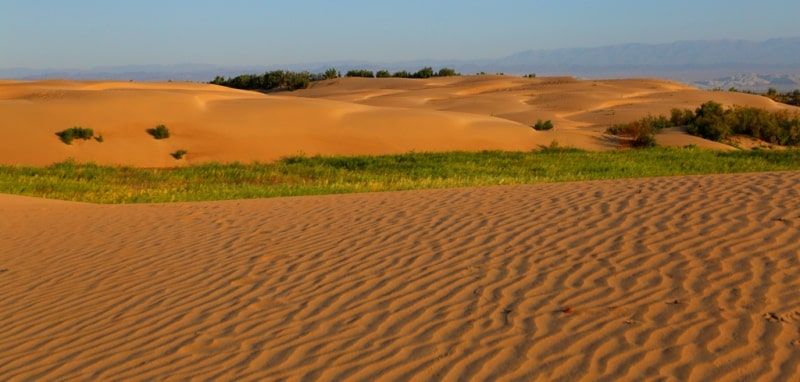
{"x":301,"y":175}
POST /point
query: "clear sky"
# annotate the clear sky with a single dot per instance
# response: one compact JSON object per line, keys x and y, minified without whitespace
{"x":87,"y":33}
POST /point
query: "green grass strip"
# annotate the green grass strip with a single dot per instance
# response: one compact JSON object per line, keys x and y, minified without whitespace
{"x":333,"y":175}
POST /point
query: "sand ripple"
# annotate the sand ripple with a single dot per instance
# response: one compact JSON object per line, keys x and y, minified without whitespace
{"x":684,"y":278}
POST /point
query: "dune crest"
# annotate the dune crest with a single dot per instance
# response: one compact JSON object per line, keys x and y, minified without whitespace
{"x":682,"y":278}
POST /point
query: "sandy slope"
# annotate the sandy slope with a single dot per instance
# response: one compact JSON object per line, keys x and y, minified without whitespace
{"x":674,"y":279}
{"x":343,"y":116}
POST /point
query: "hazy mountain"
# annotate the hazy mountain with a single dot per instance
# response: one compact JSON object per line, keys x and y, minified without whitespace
{"x":684,"y":53}
{"x":686,"y":61}
{"x":755,"y":82}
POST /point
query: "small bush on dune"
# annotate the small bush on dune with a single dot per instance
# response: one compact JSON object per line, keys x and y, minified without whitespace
{"x":77,"y":132}
{"x":179,"y":154}
{"x":159,"y":132}
{"x":543,"y":125}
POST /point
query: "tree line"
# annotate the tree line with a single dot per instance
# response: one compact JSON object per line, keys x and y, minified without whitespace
{"x":789,"y":98}
{"x":289,"y":80}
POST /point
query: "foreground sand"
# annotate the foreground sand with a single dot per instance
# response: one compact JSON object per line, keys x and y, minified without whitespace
{"x":673,"y":279}
{"x":344,"y":116}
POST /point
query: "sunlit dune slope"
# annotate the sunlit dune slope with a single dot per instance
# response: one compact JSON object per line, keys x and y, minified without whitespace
{"x":219,"y":124}
{"x":343,"y":116}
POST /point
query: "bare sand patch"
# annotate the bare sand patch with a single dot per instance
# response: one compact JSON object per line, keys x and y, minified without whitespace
{"x":680,"y":278}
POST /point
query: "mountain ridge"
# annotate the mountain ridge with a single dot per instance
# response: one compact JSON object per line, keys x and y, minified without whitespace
{"x":692,"y":62}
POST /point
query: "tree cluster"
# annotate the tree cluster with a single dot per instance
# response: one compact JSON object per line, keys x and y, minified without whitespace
{"x":712,"y":121}
{"x":426,"y":72}
{"x":789,"y":98}
{"x":276,"y":79}
{"x":289,"y":80}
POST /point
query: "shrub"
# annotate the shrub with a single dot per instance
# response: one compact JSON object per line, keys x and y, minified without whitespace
{"x":383,"y":74}
{"x":641,"y":133}
{"x":76,"y":132}
{"x":179,"y":154}
{"x":402,"y":74}
{"x":681,"y":117}
{"x":295,"y":81}
{"x":426,"y":72}
{"x":540,"y":126}
{"x":360,"y":73}
{"x":447,"y":72}
{"x":159,"y":132}
{"x":332,"y":73}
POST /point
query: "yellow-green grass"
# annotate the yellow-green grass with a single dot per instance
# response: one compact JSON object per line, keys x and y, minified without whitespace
{"x":339,"y":174}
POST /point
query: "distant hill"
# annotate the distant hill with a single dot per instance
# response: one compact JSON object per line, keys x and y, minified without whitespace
{"x":780,"y":51}
{"x":754,"y":82}
{"x":701,"y":63}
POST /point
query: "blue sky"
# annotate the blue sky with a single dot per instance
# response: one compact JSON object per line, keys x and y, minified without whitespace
{"x":88,"y":33}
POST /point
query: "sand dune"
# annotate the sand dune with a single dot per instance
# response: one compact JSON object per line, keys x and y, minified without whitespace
{"x":343,"y":116}
{"x":684,"y":278}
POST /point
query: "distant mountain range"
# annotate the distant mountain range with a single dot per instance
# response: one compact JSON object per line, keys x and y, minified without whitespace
{"x":754,"y":82}
{"x":770,"y":63}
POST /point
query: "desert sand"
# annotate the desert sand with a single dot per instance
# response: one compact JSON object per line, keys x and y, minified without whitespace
{"x":669,"y":279}
{"x":343,"y":116}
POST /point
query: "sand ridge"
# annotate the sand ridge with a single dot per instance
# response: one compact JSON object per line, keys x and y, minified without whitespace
{"x":345,"y":116}
{"x":678,"y":278}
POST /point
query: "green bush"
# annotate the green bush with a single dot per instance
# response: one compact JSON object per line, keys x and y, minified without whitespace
{"x":447,"y":72}
{"x":159,"y":132}
{"x":360,"y":73}
{"x":77,"y":132}
{"x":641,"y":133}
{"x":681,"y":117}
{"x":332,"y":73}
{"x":426,"y":72}
{"x":543,"y":125}
{"x":179,"y":154}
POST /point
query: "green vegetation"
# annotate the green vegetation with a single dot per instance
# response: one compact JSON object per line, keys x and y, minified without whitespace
{"x":641,"y":133}
{"x":332,"y":74}
{"x":330,"y":175}
{"x":427,"y":72}
{"x":789,"y":98}
{"x":543,"y":125}
{"x":159,"y":132}
{"x":289,"y":80}
{"x":360,"y":73}
{"x":447,"y":72}
{"x":77,"y":132}
{"x":712,"y":121}
{"x":276,"y":79}
{"x":530,"y":75}
{"x":179,"y":154}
